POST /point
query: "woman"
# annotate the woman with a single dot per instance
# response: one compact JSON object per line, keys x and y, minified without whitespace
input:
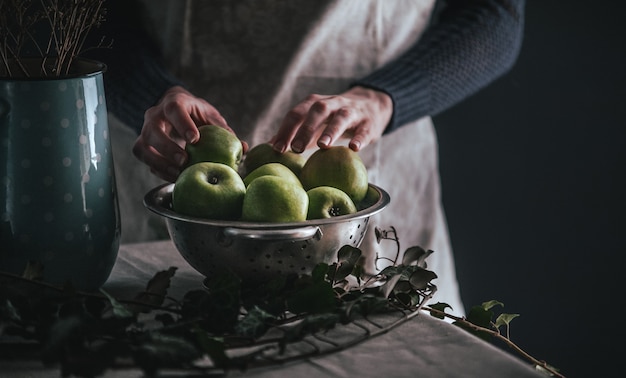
{"x":305,"y":74}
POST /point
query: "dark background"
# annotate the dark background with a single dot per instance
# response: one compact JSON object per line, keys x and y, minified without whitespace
{"x":533,"y":175}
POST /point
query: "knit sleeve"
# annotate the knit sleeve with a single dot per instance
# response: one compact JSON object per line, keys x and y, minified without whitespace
{"x":468,"y":45}
{"x":135,"y":78}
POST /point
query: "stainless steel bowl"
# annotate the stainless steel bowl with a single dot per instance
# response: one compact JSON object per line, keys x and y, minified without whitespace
{"x":259,"y":251}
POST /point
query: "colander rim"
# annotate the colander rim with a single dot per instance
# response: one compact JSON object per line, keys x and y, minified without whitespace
{"x":158,"y":200}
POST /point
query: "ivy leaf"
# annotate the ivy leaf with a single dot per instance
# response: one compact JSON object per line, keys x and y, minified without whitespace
{"x":440,"y":307}
{"x":214,"y":347}
{"x":119,"y":310}
{"x":387,"y":288}
{"x":491,"y":304}
{"x":159,"y":350}
{"x":347,"y":258}
{"x":315,"y":298}
{"x":216,"y":313}
{"x":269,"y":296}
{"x":254,"y":324}
{"x":349,"y":254}
{"x":156,"y":291}
{"x":505,"y":319}
{"x":319,"y":272}
{"x":481,"y":317}
{"x":408,"y":299}
{"x":359,"y":269}
{"x":403,"y":286}
{"x":33,"y":271}
{"x":218,"y":306}
{"x":390,"y":271}
{"x":8,"y":312}
{"x":420,"y":278}
{"x":416,"y":255}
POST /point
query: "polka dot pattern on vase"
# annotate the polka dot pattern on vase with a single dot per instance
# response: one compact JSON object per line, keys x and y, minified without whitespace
{"x":58,"y":193}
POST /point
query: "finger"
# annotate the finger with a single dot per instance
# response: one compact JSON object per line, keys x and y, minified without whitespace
{"x":363,"y":135}
{"x":167,"y":147}
{"x":340,"y":121}
{"x":291,"y":123}
{"x":157,"y":163}
{"x":208,"y":115}
{"x":182,"y":121}
{"x":164,"y":139}
{"x":245,"y":146}
{"x":316,"y":118}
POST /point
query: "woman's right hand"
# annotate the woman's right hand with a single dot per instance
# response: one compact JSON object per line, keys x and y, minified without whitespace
{"x":169,"y":126}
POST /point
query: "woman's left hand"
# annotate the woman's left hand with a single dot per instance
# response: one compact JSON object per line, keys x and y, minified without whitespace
{"x":360,"y":113}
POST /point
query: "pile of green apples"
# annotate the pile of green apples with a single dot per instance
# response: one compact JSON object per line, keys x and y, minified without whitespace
{"x":219,"y":183}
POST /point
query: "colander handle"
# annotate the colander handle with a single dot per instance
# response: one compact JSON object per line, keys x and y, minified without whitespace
{"x":299,"y":233}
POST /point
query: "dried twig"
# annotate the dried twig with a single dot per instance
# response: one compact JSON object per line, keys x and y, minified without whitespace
{"x":54,"y":31}
{"x":495,"y":333}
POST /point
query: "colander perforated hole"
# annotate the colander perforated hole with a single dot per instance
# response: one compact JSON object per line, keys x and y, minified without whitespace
{"x":268,"y":256}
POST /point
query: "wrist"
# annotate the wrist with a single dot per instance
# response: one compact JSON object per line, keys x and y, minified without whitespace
{"x":382,"y":100}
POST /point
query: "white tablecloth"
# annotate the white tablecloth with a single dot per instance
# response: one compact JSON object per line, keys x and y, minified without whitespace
{"x":424,"y":346}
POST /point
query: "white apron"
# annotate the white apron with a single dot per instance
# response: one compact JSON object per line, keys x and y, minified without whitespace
{"x":254,"y":59}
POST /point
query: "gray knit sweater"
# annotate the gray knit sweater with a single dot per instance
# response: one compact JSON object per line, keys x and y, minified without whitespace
{"x":468,"y":44}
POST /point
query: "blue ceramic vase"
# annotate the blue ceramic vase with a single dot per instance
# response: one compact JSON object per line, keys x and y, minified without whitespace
{"x":59,"y":204}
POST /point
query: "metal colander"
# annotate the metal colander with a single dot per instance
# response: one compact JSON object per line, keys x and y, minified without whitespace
{"x":259,"y":251}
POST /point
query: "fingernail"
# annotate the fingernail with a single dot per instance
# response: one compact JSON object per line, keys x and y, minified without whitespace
{"x":180,"y":159}
{"x":324,"y":140}
{"x":279,"y":147}
{"x":355,"y":145}
{"x":190,"y":136}
{"x":297,"y":146}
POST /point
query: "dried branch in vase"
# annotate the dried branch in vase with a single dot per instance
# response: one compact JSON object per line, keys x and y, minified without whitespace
{"x":51,"y":33}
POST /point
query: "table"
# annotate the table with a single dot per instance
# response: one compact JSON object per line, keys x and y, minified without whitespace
{"x":423,"y":346}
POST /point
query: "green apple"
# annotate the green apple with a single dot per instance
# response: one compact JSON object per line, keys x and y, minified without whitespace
{"x":339,"y":167}
{"x":209,"y":190}
{"x":274,"y":199}
{"x":272,"y":169}
{"x":264,"y":153}
{"x":328,"y":202}
{"x":217,"y":145}
{"x":371,"y":197}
